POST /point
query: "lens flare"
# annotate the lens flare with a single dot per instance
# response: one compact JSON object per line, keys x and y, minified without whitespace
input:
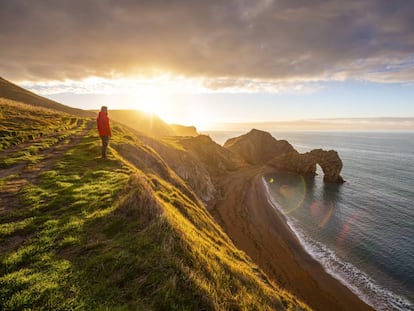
{"x":293,"y":193}
{"x":327,"y":216}
{"x":349,"y":238}
{"x":322,"y":212}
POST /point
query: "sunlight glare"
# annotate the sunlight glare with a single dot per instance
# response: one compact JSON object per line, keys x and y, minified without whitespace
{"x":200,"y":119}
{"x":151,"y":99}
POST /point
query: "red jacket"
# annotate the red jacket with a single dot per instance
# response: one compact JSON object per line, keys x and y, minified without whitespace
{"x":102,"y":121}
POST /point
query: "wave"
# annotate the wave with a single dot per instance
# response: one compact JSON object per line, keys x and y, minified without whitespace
{"x":349,"y":275}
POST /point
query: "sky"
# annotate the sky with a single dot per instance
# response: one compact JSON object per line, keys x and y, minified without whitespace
{"x":203,"y":62}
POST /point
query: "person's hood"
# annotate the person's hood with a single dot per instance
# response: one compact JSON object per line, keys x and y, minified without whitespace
{"x":102,"y":114}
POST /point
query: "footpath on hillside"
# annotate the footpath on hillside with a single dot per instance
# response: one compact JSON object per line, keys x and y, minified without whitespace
{"x":25,"y":171}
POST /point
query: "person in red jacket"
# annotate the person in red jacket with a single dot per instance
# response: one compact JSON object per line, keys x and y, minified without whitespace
{"x":102,"y":121}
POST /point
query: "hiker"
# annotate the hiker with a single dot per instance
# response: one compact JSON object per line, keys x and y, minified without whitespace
{"x":104,"y":129}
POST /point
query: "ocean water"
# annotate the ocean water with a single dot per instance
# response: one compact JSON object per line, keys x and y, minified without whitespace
{"x":363,"y":230}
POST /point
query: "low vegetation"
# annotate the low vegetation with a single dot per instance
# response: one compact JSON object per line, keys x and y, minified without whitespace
{"x":28,"y":130}
{"x":78,"y":232}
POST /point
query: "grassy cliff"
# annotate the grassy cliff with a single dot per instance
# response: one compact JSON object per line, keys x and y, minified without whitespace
{"x":126,"y":233}
{"x":14,"y":92}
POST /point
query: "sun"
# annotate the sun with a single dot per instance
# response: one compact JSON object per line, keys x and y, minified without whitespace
{"x":167,"y":100}
{"x":151,"y":100}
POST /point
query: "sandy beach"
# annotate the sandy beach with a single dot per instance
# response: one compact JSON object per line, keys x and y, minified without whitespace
{"x":257,"y":228}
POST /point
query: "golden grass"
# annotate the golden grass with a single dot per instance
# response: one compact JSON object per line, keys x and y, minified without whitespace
{"x":124,"y":233}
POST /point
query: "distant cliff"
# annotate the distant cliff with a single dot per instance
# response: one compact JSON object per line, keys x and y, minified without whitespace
{"x":259,"y":147}
{"x":150,"y":124}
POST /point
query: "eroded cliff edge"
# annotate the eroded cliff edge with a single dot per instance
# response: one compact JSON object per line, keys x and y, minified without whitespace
{"x":229,"y":180}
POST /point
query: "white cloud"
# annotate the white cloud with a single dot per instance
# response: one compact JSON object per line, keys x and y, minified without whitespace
{"x":246,"y":45}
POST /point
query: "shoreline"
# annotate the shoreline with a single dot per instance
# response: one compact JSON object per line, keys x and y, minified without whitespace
{"x":302,"y":240}
{"x":263,"y":232}
{"x":368,"y":291}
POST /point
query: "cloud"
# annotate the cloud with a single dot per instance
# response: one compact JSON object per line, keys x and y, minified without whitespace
{"x":281,"y":41}
{"x":169,"y":84}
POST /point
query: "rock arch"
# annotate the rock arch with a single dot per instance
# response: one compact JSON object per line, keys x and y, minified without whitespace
{"x":305,"y":164}
{"x":331,"y":164}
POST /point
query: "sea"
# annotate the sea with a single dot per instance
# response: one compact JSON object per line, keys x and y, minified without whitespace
{"x":361,"y":231}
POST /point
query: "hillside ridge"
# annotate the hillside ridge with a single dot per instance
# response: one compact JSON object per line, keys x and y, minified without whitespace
{"x":80,"y":232}
{"x":14,"y":92}
{"x":146,"y":123}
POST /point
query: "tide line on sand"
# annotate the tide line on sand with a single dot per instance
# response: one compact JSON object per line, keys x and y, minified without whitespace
{"x":357,"y":281}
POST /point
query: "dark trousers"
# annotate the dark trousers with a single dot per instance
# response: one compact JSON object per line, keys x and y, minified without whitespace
{"x":105,"y":142}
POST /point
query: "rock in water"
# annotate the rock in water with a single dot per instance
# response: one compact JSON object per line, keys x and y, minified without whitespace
{"x":331,"y":164}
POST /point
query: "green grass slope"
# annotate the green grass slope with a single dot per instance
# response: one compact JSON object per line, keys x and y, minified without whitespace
{"x":14,"y":92}
{"x":126,"y":233}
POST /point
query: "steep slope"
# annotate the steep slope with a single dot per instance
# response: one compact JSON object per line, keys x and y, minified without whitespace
{"x":242,"y":208}
{"x":245,"y":213}
{"x":150,"y":124}
{"x":198,"y":160}
{"x":78,"y":232}
{"x":11,"y":91}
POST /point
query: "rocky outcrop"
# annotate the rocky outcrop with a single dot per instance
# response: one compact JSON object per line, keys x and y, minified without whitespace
{"x":331,"y":164}
{"x":305,"y":164}
{"x":258,"y":147}
{"x":295,"y":162}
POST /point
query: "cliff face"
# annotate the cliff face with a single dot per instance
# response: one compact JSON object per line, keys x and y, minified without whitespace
{"x":258,"y":147}
{"x":185,"y":165}
{"x":295,"y":162}
{"x":216,"y":158}
{"x":197,"y":160}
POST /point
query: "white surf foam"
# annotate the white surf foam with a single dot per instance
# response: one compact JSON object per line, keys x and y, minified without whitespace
{"x":349,"y":275}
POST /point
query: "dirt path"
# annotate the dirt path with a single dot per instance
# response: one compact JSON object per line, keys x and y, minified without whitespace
{"x":23,"y":145}
{"x":261,"y":231}
{"x":19,"y":175}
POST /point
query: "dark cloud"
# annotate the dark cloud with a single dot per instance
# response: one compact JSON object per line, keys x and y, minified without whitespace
{"x":247,"y":39}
